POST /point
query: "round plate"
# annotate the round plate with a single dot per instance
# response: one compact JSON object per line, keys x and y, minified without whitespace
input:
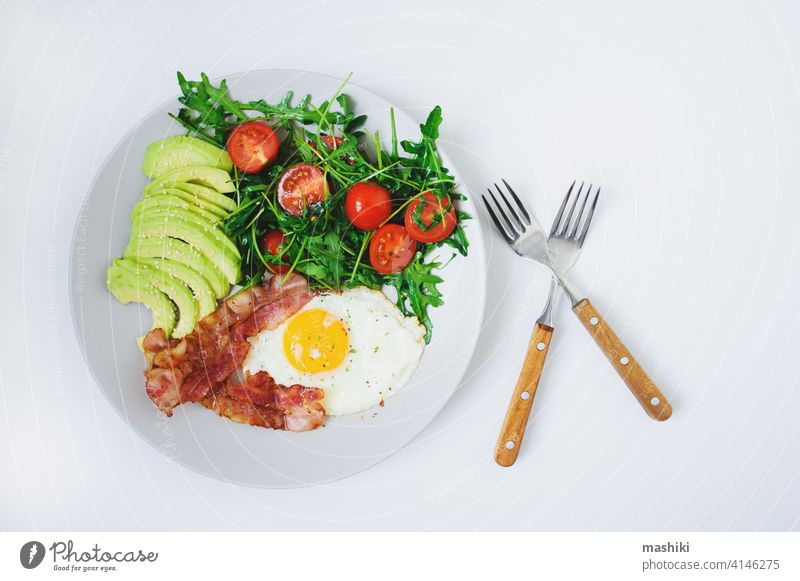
{"x":197,"y":437}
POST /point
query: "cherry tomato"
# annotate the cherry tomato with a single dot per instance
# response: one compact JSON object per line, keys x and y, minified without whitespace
{"x":301,"y":186}
{"x":367,"y":205}
{"x":253,"y":145}
{"x":391,"y":249}
{"x":331,"y":142}
{"x":433,"y":208}
{"x":271,"y":241}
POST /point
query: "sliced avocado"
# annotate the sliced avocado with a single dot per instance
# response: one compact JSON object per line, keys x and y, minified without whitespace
{"x":126,"y":289}
{"x":169,"y":202}
{"x":192,"y":199}
{"x":208,"y":194}
{"x":177,"y":291}
{"x":172,"y":214}
{"x":179,"y":251}
{"x":206,"y":240}
{"x":181,"y":151}
{"x":212,"y":177}
{"x":201,"y":289}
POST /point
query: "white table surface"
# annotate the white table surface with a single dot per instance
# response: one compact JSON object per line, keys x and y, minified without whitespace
{"x":688,"y":115}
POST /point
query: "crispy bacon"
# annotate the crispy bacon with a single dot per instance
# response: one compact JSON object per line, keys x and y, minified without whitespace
{"x":188,"y":369}
{"x":259,"y":401}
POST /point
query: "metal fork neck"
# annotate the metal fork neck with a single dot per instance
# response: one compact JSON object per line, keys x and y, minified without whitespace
{"x":546,"y":318}
{"x":572,"y":295}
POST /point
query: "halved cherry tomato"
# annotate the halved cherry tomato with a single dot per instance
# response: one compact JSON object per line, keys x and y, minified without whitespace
{"x":301,"y":186}
{"x":271,"y":241}
{"x":331,"y":142}
{"x":367,"y":205}
{"x":391,"y":249}
{"x":252,"y":145}
{"x":428,"y":208}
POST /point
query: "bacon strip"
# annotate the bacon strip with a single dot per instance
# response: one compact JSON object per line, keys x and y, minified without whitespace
{"x":259,"y":401}
{"x":188,"y":369}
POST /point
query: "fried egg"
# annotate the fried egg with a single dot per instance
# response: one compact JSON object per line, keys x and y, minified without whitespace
{"x":356,"y":345}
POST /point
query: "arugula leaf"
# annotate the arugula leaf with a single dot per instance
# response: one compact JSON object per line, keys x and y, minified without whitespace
{"x":416,"y":290}
{"x":211,"y":114}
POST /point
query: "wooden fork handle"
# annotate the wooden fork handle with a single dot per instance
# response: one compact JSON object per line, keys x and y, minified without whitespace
{"x":510,"y":440}
{"x":640,"y":384}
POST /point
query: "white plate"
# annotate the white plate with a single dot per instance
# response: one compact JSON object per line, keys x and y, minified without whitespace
{"x":197,"y":437}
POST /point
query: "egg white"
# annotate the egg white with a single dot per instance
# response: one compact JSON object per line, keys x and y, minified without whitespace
{"x":385,"y":348}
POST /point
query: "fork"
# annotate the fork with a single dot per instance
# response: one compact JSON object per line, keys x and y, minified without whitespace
{"x":526,"y":238}
{"x":519,"y":408}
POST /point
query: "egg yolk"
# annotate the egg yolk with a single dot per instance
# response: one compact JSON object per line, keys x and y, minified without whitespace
{"x":315,"y":341}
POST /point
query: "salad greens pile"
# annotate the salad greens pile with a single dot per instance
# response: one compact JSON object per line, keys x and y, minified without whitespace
{"x":322,"y":244}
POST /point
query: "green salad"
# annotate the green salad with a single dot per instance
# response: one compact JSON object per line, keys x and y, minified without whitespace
{"x":294,"y":186}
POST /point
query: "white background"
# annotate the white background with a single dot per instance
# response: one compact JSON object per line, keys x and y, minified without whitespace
{"x":688,"y":115}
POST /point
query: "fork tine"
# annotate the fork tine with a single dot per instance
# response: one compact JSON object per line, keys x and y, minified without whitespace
{"x":511,"y":210}
{"x":568,"y":221}
{"x":557,"y":219}
{"x":502,"y":213}
{"x":519,"y":203}
{"x":497,"y":223}
{"x":588,"y":219}
{"x":574,"y":231}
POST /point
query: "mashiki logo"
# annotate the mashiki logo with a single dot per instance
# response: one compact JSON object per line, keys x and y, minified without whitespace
{"x":31,"y":554}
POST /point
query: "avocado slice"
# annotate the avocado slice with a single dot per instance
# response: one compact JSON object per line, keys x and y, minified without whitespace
{"x":179,"y":251}
{"x":212,"y":177}
{"x":201,"y":289}
{"x":206,"y":240}
{"x":208,"y":194}
{"x":172,"y":214}
{"x":126,"y":289}
{"x":192,"y":199}
{"x":169,"y":202}
{"x":180,"y":151}
{"x":177,"y":291}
